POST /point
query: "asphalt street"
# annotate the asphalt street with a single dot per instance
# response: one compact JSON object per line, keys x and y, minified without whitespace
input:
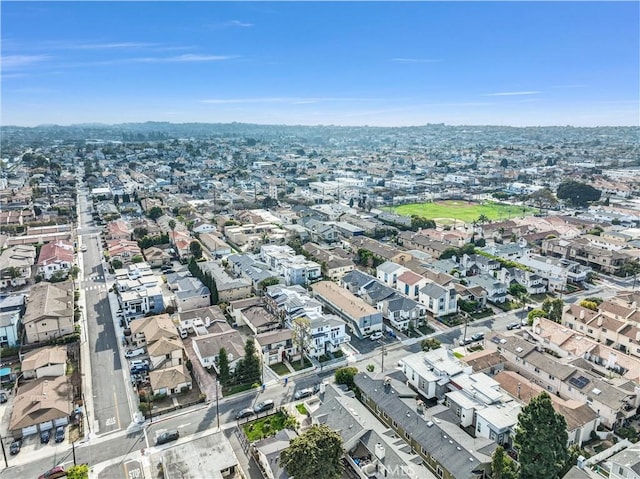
{"x":111,"y":411}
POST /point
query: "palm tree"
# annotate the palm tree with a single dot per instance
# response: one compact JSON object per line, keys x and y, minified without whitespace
{"x":482,"y":219}
{"x":172,"y":226}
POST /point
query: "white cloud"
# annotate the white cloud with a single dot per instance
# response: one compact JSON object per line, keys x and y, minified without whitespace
{"x":513,"y":93}
{"x":190,"y":57}
{"x":17,"y":61}
{"x":112,"y":45}
{"x":290,"y":100}
{"x":238,"y":23}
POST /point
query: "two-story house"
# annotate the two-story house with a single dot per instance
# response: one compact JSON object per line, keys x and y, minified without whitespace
{"x":49,"y":311}
{"x":439,"y":300}
{"x":55,"y":258}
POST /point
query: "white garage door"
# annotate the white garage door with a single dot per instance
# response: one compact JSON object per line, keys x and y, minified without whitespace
{"x":45,"y":426}
{"x":28,"y":431}
{"x":61,"y":422}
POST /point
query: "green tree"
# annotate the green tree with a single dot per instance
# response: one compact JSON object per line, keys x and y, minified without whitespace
{"x":196,"y":249}
{"x":631,"y":269}
{"x":345,"y":376}
{"x":223,"y":367}
{"x":595,"y":299}
{"x":116,"y":264}
{"x":265,"y":283}
{"x":301,"y":336}
{"x":13,"y":272}
{"x":154,"y":213}
{"x":516,"y":289}
{"x":592,"y":305}
{"x":420,"y":222}
{"x":482,"y":219}
{"x":543,"y":198}
{"x":541,"y":439}
{"x":80,"y":471}
{"x":315,"y":454}
{"x":502,"y":466}
{"x":536,"y":313}
{"x":553,"y":308}
{"x":429,"y":344}
{"x":577,"y":194}
{"x":172,"y":227}
{"x":504,"y":163}
{"x":140,"y":232}
{"x":248,"y":369}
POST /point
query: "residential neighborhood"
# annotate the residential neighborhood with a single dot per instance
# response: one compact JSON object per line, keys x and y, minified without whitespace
{"x":227,"y":279}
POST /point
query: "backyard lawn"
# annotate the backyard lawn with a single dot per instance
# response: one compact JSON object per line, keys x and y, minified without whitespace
{"x":461,"y":210}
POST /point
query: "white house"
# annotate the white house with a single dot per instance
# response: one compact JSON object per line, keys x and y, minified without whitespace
{"x":439,"y":300}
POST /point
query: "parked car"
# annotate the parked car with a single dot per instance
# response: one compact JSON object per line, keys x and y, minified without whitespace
{"x":139,"y":369}
{"x":139,"y":362}
{"x":15,"y":446}
{"x":264,"y":406}
{"x":59,"y":437}
{"x":57,"y":471}
{"x":132,"y":353}
{"x":3,"y":398}
{"x":477,"y":337}
{"x":376,"y":336}
{"x":44,"y":437}
{"x":303,"y":393}
{"x":245,"y":413}
{"x":514,"y":325}
{"x":167,"y":436}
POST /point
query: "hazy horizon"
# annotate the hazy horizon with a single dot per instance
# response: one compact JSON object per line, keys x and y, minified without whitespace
{"x":519,"y":64}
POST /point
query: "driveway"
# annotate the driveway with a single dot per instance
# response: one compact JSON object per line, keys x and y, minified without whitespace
{"x":205,"y":380}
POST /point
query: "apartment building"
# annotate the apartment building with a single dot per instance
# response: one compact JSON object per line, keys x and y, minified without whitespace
{"x":363,"y":319}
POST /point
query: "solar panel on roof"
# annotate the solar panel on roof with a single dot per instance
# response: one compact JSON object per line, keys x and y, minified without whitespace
{"x":579,"y":382}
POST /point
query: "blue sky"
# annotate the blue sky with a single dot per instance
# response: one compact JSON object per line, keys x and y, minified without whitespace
{"x":361,"y":63}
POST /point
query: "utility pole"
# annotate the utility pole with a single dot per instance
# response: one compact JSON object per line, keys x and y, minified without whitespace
{"x":150,"y":407}
{"x":73,"y":450}
{"x":217,"y":405}
{"x":383,"y":353}
{"x":466,"y":322}
{"x":4,"y":453}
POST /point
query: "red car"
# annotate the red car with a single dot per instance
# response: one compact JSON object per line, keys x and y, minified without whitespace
{"x":57,"y":471}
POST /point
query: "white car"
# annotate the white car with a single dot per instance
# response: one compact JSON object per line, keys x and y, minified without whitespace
{"x":376,"y":336}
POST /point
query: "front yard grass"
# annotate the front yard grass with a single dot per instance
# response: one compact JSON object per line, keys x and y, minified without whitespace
{"x":265,"y":427}
{"x":237,"y":388}
{"x":280,"y":369}
{"x":296,"y":364}
{"x":301,"y":409}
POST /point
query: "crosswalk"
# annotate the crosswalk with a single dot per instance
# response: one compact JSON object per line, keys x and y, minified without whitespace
{"x":93,"y":283}
{"x":98,"y":287}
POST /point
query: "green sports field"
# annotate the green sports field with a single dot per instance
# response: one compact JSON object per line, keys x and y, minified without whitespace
{"x":445,"y":212}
